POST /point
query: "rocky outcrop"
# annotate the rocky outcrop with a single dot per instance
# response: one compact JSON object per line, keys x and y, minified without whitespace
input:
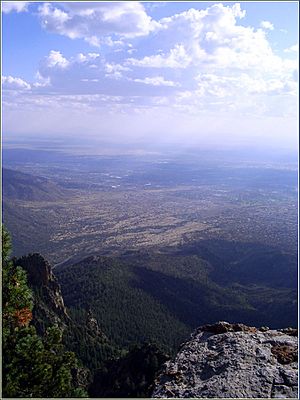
{"x":81,"y":334}
{"x":41,"y":279}
{"x":92,"y":326}
{"x":233,"y":361}
{"x":49,"y":305}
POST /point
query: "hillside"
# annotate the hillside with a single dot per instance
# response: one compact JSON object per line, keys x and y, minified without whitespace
{"x":23,"y":195}
{"x":33,"y":364}
{"x":122,"y":316}
{"x":139,"y":267}
{"x":84,"y":337}
{"x":105,"y":369}
{"x":19,"y":186}
{"x":162,"y":297}
{"x":126,"y":313}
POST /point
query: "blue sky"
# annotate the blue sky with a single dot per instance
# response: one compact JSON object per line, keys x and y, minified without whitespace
{"x":197,"y":72}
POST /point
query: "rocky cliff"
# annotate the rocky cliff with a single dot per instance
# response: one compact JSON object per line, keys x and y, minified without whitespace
{"x":233,"y":361}
{"x":81,"y":333}
{"x":49,"y":305}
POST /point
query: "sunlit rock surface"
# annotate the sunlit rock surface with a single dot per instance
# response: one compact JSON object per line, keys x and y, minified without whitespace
{"x":233,"y":361}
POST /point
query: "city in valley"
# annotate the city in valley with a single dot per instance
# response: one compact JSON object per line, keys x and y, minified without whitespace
{"x":75,"y":205}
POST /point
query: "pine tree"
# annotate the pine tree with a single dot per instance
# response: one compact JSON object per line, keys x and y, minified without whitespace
{"x":32,"y":366}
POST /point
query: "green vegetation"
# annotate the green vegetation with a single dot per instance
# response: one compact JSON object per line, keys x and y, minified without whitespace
{"x":36,"y":362}
{"x":81,"y":334}
{"x":237,"y":261}
{"x":125,"y":313}
{"x":162,"y":297}
{"x":129,"y":376}
{"x":90,"y":346}
{"x":33,"y":366}
{"x":110,"y":307}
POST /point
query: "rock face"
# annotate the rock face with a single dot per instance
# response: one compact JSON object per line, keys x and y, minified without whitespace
{"x":233,"y":361}
{"x":92,"y":326}
{"x":81,"y":335}
{"x":49,"y":305}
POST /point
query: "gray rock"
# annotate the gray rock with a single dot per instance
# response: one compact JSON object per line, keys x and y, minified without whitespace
{"x":232,"y":361}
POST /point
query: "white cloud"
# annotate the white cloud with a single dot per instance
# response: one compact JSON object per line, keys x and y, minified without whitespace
{"x":42,"y":82}
{"x":267,"y":25}
{"x":193,"y":65}
{"x":241,"y":86}
{"x":18,"y":6}
{"x":234,"y":60}
{"x":97,"y":22}
{"x":91,"y":74}
{"x":156,"y":81}
{"x":115,"y":70}
{"x":292,"y":49}
{"x":11,"y":83}
{"x":175,"y":58}
{"x":87,"y":57}
{"x":56,"y":59}
{"x":210,"y":38}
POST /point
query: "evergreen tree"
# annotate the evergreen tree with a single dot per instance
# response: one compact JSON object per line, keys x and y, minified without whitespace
{"x":32,"y":366}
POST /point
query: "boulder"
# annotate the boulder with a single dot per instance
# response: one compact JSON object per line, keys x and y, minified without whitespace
{"x":232,"y":361}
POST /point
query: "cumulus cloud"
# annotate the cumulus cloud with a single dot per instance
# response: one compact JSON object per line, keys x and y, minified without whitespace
{"x":169,"y":53}
{"x":175,"y":58}
{"x":210,"y":38}
{"x":55,"y":59}
{"x":192,"y":65}
{"x":267,"y":25}
{"x":17,"y":6}
{"x":91,"y":74}
{"x":97,"y":22}
{"x":12,"y":83}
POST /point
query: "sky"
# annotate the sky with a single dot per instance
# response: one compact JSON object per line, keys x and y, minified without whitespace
{"x":184,"y":73}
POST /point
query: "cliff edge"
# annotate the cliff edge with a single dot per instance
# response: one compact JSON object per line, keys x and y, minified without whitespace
{"x":233,"y":361}
{"x":49,"y":305}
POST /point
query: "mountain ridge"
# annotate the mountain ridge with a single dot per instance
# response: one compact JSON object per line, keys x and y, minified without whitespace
{"x":27,"y":187}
